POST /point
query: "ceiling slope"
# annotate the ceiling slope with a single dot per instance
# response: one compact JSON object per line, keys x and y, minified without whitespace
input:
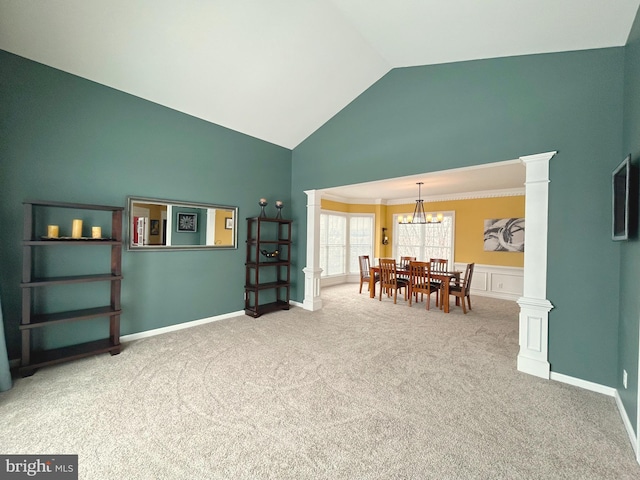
{"x":278,"y":70}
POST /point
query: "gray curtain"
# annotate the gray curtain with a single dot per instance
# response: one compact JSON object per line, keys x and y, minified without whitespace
{"x":5,"y":373}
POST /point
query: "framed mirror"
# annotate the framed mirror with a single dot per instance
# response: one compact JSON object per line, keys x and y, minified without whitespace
{"x":156,"y":224}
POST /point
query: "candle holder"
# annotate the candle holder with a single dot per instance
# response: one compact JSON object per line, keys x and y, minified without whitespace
{"x":279,"y":206}
{"x":263,"y":203}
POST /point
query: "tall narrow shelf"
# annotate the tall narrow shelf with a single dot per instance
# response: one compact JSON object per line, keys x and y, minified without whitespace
{"x":268,"y":266}
{"x":33,"y":359}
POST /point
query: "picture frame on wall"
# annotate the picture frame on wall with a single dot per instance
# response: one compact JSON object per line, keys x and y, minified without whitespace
{"x":187,"y":222}
{"x":504,"y":235}
{"x":155,"y":227}
{"x":228,"y":223}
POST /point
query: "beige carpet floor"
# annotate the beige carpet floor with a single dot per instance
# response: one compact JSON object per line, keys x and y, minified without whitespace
{"x":359,"y":390}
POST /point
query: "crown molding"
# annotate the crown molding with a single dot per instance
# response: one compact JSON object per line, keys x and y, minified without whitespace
{"x":507,"y":192}
{"x":355,"y":201}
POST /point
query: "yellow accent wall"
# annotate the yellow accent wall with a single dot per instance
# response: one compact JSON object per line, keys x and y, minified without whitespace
{"x":155,"y":213}
{"x":222,"y":235}
{"x":469,"y":225}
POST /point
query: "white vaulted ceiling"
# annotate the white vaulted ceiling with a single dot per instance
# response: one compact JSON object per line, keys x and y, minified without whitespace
{"x":278,"y":69}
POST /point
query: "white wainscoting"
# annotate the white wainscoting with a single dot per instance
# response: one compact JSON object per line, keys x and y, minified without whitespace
{"x":488,"y":281}
{"x":340,"y":279}
{"x":498,"y":282}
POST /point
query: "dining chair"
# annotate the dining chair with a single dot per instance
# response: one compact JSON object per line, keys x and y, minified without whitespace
{"x":389,"y":279}
{"x":404,"y":261}
{"x":404,"y":265}
{"x":439,"y":265}
{"x":420,"y":282}
{"x":462,"y":290}
{"x":365,"y":271}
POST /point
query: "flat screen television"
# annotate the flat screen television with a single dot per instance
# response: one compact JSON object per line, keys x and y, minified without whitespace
{"x":621,"y":179}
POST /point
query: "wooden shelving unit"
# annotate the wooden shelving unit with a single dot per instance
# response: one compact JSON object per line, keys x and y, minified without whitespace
{"x":33,"y":359}
{"x":267,"y":276}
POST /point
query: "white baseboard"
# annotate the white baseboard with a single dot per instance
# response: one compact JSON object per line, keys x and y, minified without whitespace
{"x":180,"y":326}
{"x":578,"y":382}
{"x":627,"y":425}
{"x":337,"y":280}
{"x":501,"y":296}
{"x":610,"y":391}
{"x":15,"y":363}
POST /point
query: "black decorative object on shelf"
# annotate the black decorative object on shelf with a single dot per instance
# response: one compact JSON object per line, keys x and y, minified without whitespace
{"x":273,"y":254}
{"x":279,"y":206}
{"x":263,"y":203}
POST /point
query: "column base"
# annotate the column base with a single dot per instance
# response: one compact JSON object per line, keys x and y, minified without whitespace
{"x":534,"y":336}
{"x":312,"y":300}
{"x":538,"y":368}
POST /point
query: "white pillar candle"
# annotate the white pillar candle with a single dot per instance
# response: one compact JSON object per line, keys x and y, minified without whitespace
{"x":76,"y":229}
{"x":53,"y":231}
{"x":96,"y":232}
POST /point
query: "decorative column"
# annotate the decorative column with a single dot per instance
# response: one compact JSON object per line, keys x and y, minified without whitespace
{"x":312,"y":271}
{"x":533,"y":357}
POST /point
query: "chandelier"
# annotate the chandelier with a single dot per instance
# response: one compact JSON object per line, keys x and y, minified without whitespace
{"x":418,"y":212}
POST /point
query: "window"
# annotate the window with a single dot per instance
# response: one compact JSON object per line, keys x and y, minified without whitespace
{"x":360,"y":239}
{"x":425,"y":241}
{"x":333,"y":244}
{"x":344,"y":237}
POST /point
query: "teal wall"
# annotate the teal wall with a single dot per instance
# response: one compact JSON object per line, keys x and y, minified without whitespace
{"x":438,"y":117}
{"x":629,"y":337}
{"x":69,"y":139}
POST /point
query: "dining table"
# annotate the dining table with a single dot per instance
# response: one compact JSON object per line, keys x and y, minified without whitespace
{"x":444,"y":277}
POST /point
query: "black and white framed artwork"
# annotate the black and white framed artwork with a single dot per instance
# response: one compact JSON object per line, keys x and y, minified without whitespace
{"x":187,"y":222}
{"x":504,"y":235}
